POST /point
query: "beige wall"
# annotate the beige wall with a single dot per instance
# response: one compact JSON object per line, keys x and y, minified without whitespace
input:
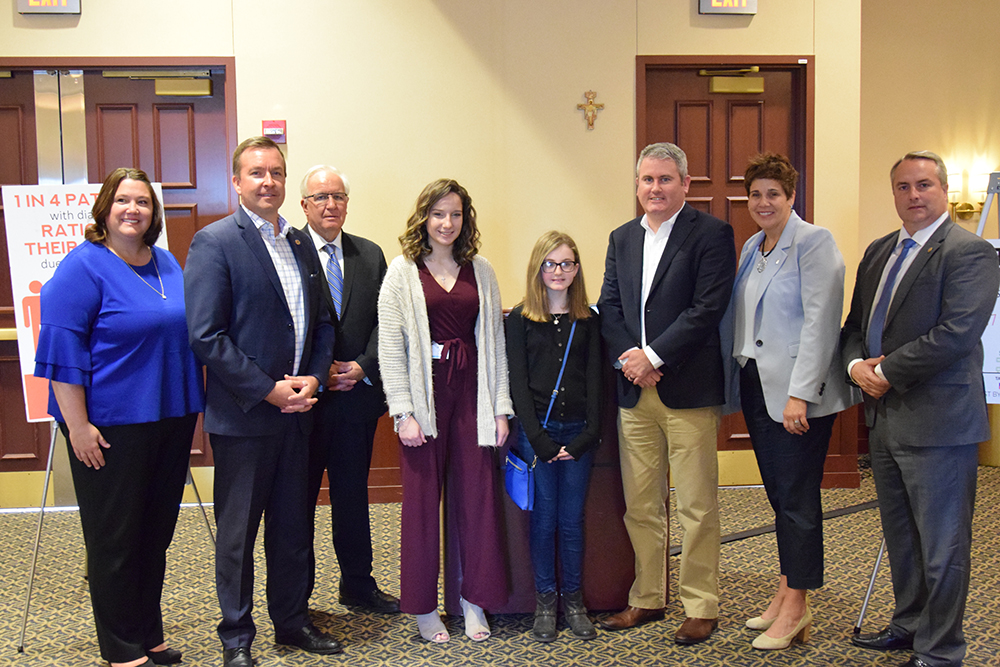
{"x":928,"y":81}
{"x":399,"y":92}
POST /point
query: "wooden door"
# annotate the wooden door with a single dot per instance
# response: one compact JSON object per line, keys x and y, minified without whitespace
{"x":23,"y":446}
{"x":720,"y":132}
{"x":185,"y":143}
{"x":180,"y":142}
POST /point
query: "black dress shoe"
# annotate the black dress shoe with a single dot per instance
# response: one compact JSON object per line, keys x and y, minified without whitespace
{"x":237,"y":657}
{"x":914,"y":661}
{"x":167,"y":656}
{"x":309,"y":638}
{"x":886,"y":640}
{"x":375,"y":600}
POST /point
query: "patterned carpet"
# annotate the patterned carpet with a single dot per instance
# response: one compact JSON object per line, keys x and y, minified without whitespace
{"x":60,"y":628}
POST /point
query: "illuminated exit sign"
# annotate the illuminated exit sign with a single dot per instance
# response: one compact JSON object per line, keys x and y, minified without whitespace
{"x":48,"y":6}
{"x":727,"y":6}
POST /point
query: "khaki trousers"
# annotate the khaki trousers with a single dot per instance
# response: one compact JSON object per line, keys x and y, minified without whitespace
{"x":654,"y":442}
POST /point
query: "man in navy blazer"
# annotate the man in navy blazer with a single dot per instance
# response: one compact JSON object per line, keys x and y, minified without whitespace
{"x":922,"y":299}
{"x":667,"y":282}
{"x":349,"y":409}
{"x":257,"y":320}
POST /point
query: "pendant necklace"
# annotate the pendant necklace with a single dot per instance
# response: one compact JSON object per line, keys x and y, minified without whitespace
{"x":762,"y":262}
{"x":162,"y":292}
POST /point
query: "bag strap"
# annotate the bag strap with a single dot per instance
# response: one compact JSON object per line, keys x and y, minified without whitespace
{"x":555,"y":390}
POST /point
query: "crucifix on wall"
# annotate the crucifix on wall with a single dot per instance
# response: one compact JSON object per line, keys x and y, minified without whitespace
{"x":590,"y":109}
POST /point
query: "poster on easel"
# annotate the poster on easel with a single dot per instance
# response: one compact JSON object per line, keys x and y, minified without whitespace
{"x":43,"y":224}
{"x":991,"y":348}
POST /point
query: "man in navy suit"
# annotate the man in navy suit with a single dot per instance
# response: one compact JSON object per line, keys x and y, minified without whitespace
{"x":912,"y":342}
{"x":348,"y":410}
{"x":257,"y":319}
{"x":667,"y":282}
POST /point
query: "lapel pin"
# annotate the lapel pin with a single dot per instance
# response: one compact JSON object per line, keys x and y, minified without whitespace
{"x":298,"y":242}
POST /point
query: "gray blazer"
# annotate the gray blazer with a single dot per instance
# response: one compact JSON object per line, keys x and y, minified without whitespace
{"x":932,"y":337}
{"x":796,"y":322}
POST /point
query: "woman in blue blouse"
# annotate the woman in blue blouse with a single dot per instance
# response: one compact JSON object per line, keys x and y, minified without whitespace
{"x":126,"y":391}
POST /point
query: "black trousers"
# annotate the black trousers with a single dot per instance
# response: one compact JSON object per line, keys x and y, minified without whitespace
{"x":128,"y":510}
{"x":791,"y":467}
{"x":255,"y":477}
{"x":344,"y":450}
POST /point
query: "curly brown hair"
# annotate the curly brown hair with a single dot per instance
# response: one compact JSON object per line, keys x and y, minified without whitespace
{"x":774,"y":167}
{"x":414,"y":240}
{"x":97,"y":232}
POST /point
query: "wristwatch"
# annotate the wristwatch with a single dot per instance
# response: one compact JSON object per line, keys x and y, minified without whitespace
{"x":398,"y":419}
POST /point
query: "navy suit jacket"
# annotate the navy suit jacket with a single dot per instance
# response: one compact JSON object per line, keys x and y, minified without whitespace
{"x":241,"y":328}
{"x":688,"y":297}
{"x":932,"y":337}
{"x":357,"y":330}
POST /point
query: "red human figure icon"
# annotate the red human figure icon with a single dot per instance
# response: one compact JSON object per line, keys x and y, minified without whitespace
{"x":32,"y":306}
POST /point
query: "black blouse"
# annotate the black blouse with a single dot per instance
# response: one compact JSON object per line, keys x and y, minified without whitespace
{"x":535,"y":354}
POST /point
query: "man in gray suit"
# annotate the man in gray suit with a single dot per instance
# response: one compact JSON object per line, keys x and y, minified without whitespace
{"x":922,"y":299}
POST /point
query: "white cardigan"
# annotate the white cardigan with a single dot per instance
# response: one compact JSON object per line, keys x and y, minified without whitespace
{"x":404,"y":349}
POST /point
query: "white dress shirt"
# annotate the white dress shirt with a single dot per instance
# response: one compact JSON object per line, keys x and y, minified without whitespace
{"x":653,"y":245}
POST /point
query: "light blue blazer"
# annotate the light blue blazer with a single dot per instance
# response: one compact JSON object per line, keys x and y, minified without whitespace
{"x":796,"y":322}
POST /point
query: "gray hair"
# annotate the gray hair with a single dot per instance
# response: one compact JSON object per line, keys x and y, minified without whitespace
{"x":303,"y":187}
{"x":665,"y":151}
{"x":942,"y":170}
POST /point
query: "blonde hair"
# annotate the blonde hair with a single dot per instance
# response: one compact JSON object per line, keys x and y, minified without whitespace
{"x":536,"y":301}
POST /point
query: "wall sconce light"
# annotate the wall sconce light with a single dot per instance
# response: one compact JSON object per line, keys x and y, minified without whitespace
{"x":975,"y":184}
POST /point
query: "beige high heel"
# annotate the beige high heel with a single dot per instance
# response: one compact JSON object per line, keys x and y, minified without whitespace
{"x":801,"y":632}
{"x":760,"y":623}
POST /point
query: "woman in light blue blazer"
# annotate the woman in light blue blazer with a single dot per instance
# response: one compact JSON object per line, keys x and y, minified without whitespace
{"x":787,"y":306}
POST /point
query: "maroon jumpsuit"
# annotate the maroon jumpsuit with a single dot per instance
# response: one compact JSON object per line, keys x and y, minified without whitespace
{"x":453,"y":460}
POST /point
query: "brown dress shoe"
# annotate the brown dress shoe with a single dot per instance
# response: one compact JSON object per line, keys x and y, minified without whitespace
{"x":695,"y":630}
{"x":631,"y":617}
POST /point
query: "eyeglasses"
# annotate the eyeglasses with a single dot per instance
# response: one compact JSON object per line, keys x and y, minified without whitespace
{"x":569,"y":266}
{"x":321,"y":198}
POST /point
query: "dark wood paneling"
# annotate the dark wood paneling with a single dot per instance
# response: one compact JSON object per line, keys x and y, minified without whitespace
{"x":174,"y":146}
{"x":181,"y":221}
{"x":744,"y":136}
{"x":23,"y":446}
{"x":703,"y":204}
{"x":739,"y":215}
{"x":694,"y":132}
{"x":117,"y":138}
{"x":13,"y":164}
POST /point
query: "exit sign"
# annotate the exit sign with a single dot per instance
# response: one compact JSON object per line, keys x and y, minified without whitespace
{"x":727,"y":6}
{"x":48,"y":6}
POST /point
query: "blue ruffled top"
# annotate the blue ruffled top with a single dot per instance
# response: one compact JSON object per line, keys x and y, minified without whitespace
{"x":102,"y":328}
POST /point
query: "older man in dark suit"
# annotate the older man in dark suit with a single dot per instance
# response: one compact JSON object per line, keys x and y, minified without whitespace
{"x":922,"y":299}
{"x":257,"y":319}
{"x":667,"y":282}
{"x":348,"y":410}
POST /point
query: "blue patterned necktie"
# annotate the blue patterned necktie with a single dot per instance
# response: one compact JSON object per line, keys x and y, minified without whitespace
{"x":334,"y":277}
{"x":877,"y":324}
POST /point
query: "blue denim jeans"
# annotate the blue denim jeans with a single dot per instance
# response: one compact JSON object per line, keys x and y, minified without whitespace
{"x":560,"y":492}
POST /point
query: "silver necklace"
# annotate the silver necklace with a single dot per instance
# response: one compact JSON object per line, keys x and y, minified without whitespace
{"x":162,"y":292}
{"x":762,"y":262}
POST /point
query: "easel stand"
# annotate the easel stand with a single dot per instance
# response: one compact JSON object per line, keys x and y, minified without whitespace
{"x":871,"y":587}
{"x":41,"y":518}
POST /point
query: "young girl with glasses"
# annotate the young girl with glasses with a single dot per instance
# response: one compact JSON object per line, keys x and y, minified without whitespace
{"x":553,"y":351}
